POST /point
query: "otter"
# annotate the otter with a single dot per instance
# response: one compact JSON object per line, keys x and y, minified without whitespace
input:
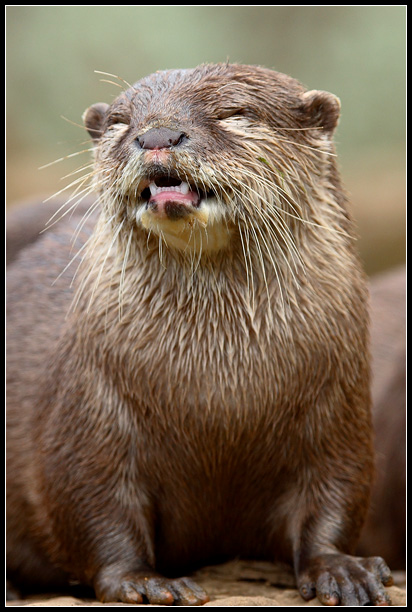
{"x":197,"y":389}
{"x":385,"y":526}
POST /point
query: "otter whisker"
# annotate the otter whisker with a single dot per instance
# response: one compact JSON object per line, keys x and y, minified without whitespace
{"x":263,"y":181}
{"x":314,"y":149}
{"x":96,"y":284}
{"x":287,"y":199}
{"x":79,"y":125}
{"x":79,"y":182}
{"x":70,"y":262}
{"x":80,"y":196}
{"x":276,"y":246}
{"x":123,"y":272}
{"x":89,"y":252}
{"x":94,"y":206}
{"x":308,"y":129}
{"x":161,"y":241}
{"x":80,"y":169}
{"x":278,"y":224}
{"x":196,"y":254}
{"x":290,"y":245}
{"x":149,"y":233}
{"x":248,"y":266}
{"x":115,"y":76}
{"x":273,"y":239}
{"x":261,"y":260}
{"x":56,"y":161}
{"x":277,"y":270}
{"x":271,"y":188}
{"x":283,"y":229}
{"x":112,"y":83}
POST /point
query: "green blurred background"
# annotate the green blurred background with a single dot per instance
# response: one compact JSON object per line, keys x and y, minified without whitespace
{"x":356,"y":52}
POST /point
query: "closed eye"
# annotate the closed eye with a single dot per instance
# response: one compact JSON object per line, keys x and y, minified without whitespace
{"x":118,"y":117}
{"x":238,"y":113}
{"x":231,"y":112}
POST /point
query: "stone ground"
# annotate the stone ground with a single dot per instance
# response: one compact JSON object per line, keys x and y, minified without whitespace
{"x":238,"y":583}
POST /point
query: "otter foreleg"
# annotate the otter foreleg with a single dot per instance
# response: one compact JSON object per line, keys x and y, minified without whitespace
{"x":324,"y":568}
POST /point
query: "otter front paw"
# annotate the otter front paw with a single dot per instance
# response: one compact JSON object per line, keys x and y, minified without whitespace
{"x":148,"y":587}
{"x":342,"y":579}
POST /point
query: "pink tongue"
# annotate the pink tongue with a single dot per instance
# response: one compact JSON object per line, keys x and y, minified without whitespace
{"x":176,"y":196}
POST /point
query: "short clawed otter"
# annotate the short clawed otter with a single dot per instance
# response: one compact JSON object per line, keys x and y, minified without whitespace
{"x":200,"y":390}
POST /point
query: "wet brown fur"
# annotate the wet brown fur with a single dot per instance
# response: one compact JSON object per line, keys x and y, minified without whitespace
{"x":173,"y":409}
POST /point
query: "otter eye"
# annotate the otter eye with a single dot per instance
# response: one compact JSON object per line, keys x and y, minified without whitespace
{"x":246,"y":113}
{"x":117,"y":118}
{"x":231,"y":112}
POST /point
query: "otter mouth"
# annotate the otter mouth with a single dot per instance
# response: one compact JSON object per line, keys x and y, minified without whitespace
{"x":171,"y":197}
{"x":183,"y":215}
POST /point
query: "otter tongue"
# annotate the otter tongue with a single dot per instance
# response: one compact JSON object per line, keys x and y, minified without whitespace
{"x":176,"y":193}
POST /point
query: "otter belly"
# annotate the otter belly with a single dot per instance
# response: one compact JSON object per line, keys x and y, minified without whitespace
{"x":218,"y":517}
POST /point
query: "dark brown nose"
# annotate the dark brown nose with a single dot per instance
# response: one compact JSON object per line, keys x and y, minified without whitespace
{"x":160,"y":138}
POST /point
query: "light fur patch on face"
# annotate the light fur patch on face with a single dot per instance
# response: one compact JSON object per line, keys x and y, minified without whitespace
{"x":204,"y":230}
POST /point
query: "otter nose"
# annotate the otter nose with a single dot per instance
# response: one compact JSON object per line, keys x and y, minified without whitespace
{"x":160,"y":138}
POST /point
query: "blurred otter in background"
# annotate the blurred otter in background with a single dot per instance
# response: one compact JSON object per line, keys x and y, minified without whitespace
{"x":385,"y":528}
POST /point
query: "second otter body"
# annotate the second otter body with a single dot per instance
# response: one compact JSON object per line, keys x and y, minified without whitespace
{"x":207,"y":396}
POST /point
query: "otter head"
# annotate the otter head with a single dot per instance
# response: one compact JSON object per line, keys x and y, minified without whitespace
{"x":199,"y":157}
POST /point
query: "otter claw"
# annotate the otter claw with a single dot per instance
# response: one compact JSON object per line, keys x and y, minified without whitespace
{"x":350,"y":581}
{"x":153,"y":589}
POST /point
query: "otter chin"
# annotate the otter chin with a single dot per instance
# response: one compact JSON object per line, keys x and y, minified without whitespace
{"x":159,"y":421}
{"x":183,"y":216}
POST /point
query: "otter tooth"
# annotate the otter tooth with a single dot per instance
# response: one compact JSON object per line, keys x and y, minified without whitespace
{"x":184,"y":187}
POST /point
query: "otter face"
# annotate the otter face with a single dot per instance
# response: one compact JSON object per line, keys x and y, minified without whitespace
{"x":191,"y":156}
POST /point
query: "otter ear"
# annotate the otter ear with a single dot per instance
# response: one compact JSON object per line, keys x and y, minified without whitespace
{"x":320,"y":109}
{"x":93,"y":119}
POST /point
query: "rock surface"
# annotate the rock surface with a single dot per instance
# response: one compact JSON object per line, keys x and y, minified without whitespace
{"x":238,"y":584}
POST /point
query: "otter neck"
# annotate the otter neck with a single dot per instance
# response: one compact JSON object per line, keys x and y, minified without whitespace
{"x":118,"y":271}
